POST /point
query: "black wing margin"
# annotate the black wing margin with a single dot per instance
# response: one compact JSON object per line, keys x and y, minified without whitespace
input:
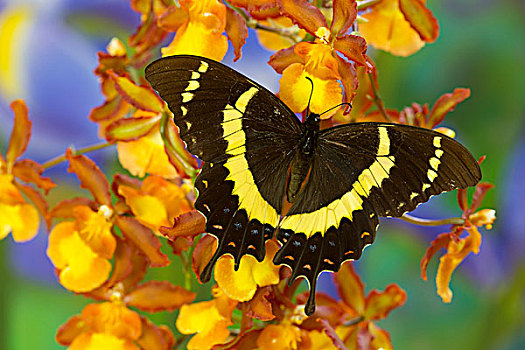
{"x":361,"y":171}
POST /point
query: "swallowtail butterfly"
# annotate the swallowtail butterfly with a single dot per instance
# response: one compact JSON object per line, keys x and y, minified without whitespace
{"x":256,"y":154}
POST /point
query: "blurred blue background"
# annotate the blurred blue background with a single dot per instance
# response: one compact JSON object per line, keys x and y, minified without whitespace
{"x":481,"y":46}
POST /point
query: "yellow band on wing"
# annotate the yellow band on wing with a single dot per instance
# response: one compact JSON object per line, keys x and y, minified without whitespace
{"x":244,"y":187}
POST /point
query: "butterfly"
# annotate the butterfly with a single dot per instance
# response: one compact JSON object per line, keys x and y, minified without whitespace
{"x":257,"y":156}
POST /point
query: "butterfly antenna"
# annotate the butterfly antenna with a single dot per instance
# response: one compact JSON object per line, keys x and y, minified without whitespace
{"x":309,"y":98}
{"x":339,"y":105}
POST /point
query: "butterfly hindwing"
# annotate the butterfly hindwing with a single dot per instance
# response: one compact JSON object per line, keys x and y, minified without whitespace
{"x":246,"y":137}
{"x":361,"y":171}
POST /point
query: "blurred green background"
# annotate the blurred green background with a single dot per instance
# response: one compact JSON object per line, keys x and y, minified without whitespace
{"x":481,"y":46}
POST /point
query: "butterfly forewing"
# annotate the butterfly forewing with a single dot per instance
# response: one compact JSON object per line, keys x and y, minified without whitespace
{"x":246,"y":137}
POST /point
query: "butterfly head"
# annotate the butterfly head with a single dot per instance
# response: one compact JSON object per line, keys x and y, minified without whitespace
{"x":312,"y":121}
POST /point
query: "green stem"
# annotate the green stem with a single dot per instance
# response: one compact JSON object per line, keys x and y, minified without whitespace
{"x":377,"y":99}
{"x":7,"y":281}
{"x":425,"y":222}
{"x":186,"y":266}
{"x":180,"y":340}
{"x":57,"y":160}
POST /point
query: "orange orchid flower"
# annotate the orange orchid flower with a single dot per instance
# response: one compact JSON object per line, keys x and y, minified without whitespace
{"x":146,"y":155}
{"x":112,"y":324}
{"x":94,"y":180}
{"x":209,"y":319}
{"x":17,"y":216}
{"x":102,"y":326}
{"x":242,"y":284}
{"x":81,"y":249}
{"x":352,"y":319}
{"x":458,"y":247}
{"x":401,"y":27}
{"x":320,"y":61}
{"x":157,"y":203}
{"x":203,"y":19}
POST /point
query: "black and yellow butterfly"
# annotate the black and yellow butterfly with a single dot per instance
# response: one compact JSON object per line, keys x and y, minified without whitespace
{"x":256,"y":154}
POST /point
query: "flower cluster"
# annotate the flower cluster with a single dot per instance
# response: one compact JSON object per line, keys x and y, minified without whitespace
{"x":103,"y":245}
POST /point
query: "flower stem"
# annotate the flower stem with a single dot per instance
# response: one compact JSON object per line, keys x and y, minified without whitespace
{"x":185,"y":259}
{"x":425,"y":222}
{"x":377,"y":99}
{"x":59,"y":159}
{"x":179,"y":341}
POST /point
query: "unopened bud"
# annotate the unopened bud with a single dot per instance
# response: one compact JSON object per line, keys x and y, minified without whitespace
{"x":116,"y":48}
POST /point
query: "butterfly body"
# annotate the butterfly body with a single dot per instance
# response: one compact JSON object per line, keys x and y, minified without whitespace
{"x":302,"y":160}
{"x":256,"y":154}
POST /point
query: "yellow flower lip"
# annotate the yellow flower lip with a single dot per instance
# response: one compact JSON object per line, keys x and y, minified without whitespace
{"x":16,"y":215}
{"x":241,"y":285}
